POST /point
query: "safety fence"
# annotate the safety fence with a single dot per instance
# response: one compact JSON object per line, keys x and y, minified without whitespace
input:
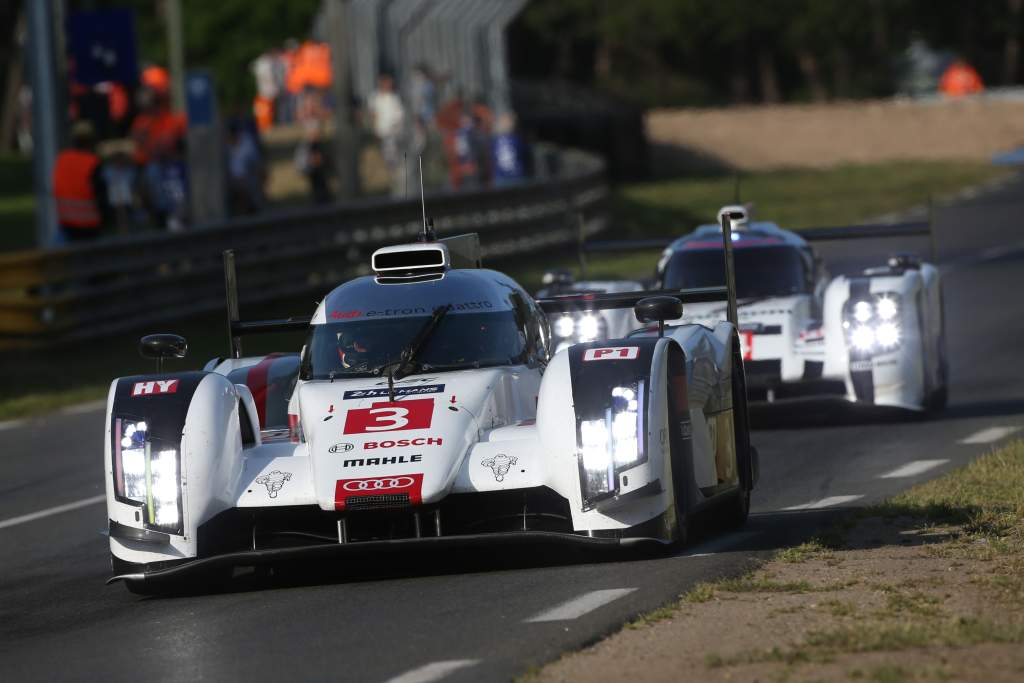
{"x":68,"y":294}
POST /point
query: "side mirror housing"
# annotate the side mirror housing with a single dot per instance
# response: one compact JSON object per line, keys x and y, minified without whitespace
{"x":658,"y":309}
{"x":161,"y":346}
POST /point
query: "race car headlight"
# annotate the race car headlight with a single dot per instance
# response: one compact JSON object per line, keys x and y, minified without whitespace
{"x":887,"y":335}
{"x":613,"y":443}
{"x":565,"y":326}
{"x":147,"y":473}
{"x":588,"y":328}
{"x":886,"y":308}
{"x":873,"y":325}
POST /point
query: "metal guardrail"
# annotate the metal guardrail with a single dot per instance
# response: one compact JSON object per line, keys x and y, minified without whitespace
{"x":94,"y":290}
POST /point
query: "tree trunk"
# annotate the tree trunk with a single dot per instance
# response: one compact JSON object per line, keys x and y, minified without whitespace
{"x":1011,"y":50}
{"x":739,"y":84}
{"x":602,"y":61}
{"x":842,"y":72}
{"x":809,"y":68}
{"x":769,"y":79}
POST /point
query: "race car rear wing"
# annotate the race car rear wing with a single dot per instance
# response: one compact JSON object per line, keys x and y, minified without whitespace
{"x":464,"y":251}
{"x":816,"y":234}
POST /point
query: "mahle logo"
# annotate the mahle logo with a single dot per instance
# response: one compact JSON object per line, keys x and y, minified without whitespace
{"x":340,"y":448}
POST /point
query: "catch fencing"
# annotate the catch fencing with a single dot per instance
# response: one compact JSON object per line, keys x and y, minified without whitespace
{"x":74,"y":293}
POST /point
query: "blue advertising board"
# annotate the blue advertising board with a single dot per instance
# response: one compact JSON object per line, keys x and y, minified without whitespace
{"x":101,"y":44}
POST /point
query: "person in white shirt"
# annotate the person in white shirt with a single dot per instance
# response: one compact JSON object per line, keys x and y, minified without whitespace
{"x":387,"y":116}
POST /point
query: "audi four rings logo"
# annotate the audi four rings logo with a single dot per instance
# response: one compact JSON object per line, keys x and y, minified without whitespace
{"x":378,"y":484}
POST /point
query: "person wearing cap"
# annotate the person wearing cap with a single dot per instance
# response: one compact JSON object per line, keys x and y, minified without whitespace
{"x":79,"y":190}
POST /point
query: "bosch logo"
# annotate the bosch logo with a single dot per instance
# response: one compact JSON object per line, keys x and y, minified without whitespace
{"x":340,"y":448}
{"x":378,"y":484}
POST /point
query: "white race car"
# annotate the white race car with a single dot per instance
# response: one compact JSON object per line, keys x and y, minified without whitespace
{"x":424,"y":408}
{"x":875,"y":338}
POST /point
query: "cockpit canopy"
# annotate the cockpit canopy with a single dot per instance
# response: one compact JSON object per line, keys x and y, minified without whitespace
{"x":365,"y":324}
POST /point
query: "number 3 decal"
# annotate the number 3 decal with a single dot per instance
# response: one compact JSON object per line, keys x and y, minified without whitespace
{"x":395,"y":418}
{"x":390,"y":417}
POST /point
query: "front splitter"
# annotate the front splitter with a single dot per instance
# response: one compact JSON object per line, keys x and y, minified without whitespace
{"x":328,"y":552}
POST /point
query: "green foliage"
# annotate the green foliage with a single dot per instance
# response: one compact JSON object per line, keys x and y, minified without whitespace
{"x":667,"y":52}
{"x":224,"y":37}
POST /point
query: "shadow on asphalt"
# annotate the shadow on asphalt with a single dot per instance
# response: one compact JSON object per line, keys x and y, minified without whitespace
{"x":763,"y":534}
{"x":838,"y":413}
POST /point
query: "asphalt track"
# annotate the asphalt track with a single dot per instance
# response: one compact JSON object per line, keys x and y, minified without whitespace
{"x":484,"y":614}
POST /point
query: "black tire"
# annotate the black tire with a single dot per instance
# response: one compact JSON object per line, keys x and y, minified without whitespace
{"x":739,"y":506}
{"x":939,"y":397}
{"x":677,"y":462}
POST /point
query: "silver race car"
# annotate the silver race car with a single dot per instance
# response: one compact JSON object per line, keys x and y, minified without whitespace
{"x":426,"y":407}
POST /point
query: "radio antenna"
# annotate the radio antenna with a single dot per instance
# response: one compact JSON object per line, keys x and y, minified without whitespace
{"x":423,"y":202}
{"x":405,"y":164}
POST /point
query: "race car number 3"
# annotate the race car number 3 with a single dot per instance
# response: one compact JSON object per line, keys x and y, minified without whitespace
{"x":390,"y":417}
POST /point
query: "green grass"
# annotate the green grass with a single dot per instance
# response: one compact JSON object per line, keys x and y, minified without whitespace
{"x":17,"y":204}
{"x":792,"y":198}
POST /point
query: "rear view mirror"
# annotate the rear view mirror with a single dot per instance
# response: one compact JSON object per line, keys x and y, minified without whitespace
{"x":660,"y":309}
{"x":161,"y":346}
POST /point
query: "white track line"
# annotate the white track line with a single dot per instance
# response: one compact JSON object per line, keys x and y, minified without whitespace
{"x":912,"y":469}
{"x":989,"y":434}
{"x":14,"y":521}
{"x":825,"y":503}
{"x":577,"y":607}
{"x":434,"y":671}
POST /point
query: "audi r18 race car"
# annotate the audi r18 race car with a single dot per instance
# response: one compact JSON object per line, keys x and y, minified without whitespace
{"x":875,"y":337}
{"x":425,"y":407}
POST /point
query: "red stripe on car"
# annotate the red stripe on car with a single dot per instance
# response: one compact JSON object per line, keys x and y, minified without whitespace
{"x":256,"y":380}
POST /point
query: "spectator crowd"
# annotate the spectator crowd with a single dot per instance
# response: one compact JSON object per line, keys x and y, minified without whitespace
{"x":139,"y":179}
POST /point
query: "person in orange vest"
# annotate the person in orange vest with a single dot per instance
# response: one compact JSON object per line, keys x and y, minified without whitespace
{"x":78,"y":188}
{"x":960,"y":79}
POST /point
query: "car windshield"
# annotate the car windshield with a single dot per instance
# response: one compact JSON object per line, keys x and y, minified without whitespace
{"x":360,"y":348}
{"x":760,"y":272}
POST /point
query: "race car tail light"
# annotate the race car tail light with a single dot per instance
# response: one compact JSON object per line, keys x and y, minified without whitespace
{"x":873,"y":324}
{"x":147,"y":474}
{"x":612,"y":443}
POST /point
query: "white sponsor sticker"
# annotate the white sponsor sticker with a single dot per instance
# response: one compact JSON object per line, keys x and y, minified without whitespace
{"x":612,"y":353}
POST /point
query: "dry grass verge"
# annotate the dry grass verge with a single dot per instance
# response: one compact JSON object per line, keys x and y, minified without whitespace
{"x":928,"y":586}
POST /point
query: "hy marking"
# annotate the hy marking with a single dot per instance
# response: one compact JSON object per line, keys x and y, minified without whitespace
{"x":831,"y":501}
{"x":56,"y":510}
{"x":434,"y":671}
{"x":584,"y":604}
{"x":912,"y":469}
{"x":989,"y":434}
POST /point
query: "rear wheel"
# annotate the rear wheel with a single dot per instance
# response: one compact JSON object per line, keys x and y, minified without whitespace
{"x":939,"y":397}
{"x":739,"y":506}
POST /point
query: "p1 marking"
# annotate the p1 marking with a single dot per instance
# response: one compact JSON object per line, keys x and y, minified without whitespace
{"x":612,"y":353}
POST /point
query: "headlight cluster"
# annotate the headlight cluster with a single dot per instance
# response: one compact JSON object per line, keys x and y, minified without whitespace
{"x":147,"y":473}
{"x":873,"y":325}
{"x":613,"y":443}
{"x":580,"y":328}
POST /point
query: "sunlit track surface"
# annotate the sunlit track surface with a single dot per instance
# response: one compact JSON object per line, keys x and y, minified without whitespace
{"x":480,"y":615}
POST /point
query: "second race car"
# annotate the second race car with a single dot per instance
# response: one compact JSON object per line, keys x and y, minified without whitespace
{"x":875,"y":337}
